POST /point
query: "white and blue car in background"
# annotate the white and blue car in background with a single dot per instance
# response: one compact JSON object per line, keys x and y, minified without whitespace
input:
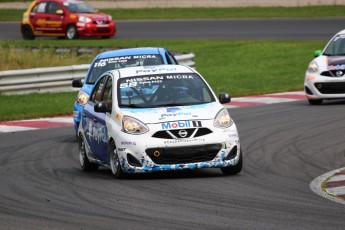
{"x":325,"y":76}
{"x":116,"y":59}
{"x":157,"y":118}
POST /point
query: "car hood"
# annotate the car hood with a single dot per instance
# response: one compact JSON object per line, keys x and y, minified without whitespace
{"x":330,"y":62}
{"x":177,"y":113}
{"x":96,"y":17}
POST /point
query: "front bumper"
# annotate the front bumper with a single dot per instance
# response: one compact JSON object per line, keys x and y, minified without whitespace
{"x":321,"y":87}
{"x":215,"y":150}
{"x":92,"y":30}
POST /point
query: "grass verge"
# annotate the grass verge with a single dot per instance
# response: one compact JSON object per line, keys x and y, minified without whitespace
{"x":237,"y":67}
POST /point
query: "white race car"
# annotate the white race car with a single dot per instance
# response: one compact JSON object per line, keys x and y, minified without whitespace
{"x":325,"y":76}
{"x":157,"y":118}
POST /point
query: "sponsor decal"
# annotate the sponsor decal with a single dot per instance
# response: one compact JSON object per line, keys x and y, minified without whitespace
{"x":177,"y":141}
{"x":181,"y":124}
{"x":49,"y":24}
{"x":336,"y":63}
{"x":121,"y":149}
{"x":233,"y":137}
{"x":176,"y":114}
{"x":336,"y":67}
{"x":128,"y":143}
{"x":150,"y":69}
{"x":97,"y":134}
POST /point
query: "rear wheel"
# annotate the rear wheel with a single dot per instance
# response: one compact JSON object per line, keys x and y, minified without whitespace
{"x":71,"y":32}
{"x":85,"y":164}
{"x":233,"y":169}
{"x":315,"y":101}
{"x":114,"y":160}
{"x":27,"y":33}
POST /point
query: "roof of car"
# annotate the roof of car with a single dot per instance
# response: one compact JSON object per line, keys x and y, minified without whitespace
{"x":131,"y":51}
{"x":149,"y":70}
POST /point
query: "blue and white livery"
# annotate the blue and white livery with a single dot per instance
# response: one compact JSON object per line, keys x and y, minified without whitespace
{"x":157,"y":118}
{"x":116,"y":59}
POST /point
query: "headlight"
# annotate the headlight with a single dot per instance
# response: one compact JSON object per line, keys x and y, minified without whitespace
{"x":313,"y":67}
{"x":133,"y":126}
{"x":82,"y":98}
{"x":110,"y":17}
{"x":84,"y":19}
{"x":222,"y":119}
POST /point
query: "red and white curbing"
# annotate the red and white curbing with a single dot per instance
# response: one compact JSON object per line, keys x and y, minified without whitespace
{"x":266,"y":99}
{"x":330,"y":185}
{"x":16,"y":126}
{"x":335,"y":186}
{"x":41,"y":123}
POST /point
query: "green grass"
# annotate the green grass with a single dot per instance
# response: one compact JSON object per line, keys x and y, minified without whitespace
{"x":192,"y":13}
{"x":237,"y":67}
{"x":16,"y":107}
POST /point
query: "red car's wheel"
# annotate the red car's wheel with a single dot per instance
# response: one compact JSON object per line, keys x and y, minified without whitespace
{"x":27,"y":33}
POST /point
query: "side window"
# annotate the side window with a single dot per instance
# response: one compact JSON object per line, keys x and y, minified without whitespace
{"x":97,"y":92}
{"x":40,"y":8}
{"x":108,"y":93}
{"x":53,"y":7}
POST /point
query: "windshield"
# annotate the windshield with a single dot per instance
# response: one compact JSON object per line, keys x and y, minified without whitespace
{"x":336,"y":47}
{"x":79,"y":7}
{"x":102,"y":65}
{"x":163,"y":90}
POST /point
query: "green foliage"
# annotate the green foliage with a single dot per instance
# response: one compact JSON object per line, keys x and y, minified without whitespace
{"x":17,"y":107}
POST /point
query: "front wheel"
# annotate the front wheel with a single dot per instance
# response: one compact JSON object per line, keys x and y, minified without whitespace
{"x":114,"y":161}
{"x":71,"y":32}
{"x":233,"y":169}
{"x":85,"y":164}
{"x":27,"y":33}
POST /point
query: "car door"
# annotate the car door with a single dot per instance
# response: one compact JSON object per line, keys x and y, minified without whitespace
{"x":54,"y":20}
{"x":45,"y":20}
{"x":93,"y":123}
{"x":38,"y":17}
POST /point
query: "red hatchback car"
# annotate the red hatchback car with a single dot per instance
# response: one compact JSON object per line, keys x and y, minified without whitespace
{"x":65,"y":18}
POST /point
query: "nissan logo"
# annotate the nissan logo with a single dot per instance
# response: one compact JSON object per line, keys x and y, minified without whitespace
{"x":183,"y":133}
{"x":339,"y":73}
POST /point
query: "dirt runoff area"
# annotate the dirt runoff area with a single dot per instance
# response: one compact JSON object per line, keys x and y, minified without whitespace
{"x":122,"y":4}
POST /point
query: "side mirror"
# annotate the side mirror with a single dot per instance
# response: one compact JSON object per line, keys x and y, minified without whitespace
{"x":59,"y":12}
{"x":317,"y":53}
{"x":224,"y":98}
{"x":102,"y":107}
{"x":77,"y":83}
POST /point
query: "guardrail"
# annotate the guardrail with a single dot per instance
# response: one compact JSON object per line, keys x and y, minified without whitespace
{"x":54,"y":79}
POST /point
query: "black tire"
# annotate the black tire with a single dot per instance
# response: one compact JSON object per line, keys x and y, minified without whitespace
{"x":315,"y":101}
{"x":71,"y":32}
{"x":233,"y":170}
{"x":27,"y":33}
{"x":85,"y":164}
{"x":114,"y":162}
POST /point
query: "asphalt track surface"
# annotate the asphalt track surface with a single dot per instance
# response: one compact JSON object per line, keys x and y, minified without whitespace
{"x":275,"y":29}
{"x":285,"y":146}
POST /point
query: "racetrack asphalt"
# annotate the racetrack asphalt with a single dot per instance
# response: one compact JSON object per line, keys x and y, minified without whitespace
{"x":330,"y":185}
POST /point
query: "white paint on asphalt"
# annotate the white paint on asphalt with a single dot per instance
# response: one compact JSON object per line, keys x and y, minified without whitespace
{"x":337,"y":178}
